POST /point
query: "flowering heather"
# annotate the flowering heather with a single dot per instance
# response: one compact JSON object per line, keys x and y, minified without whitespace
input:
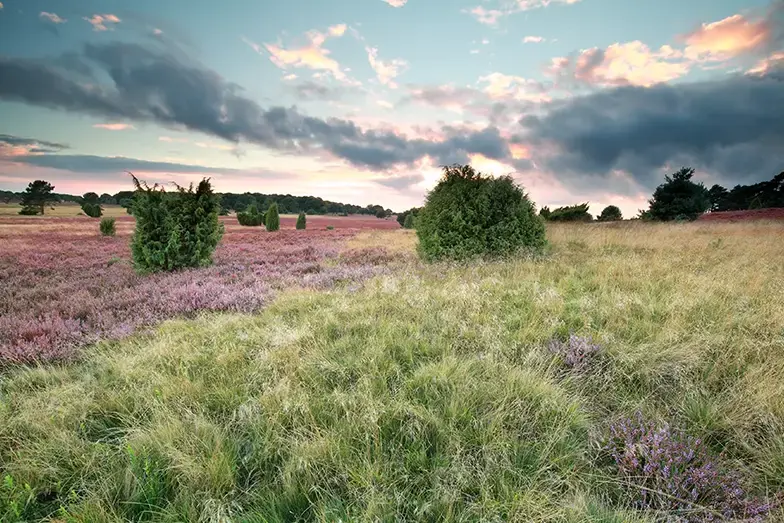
{"x":669,"y":471}
{"x":64,"y":285}
{"x":576,"y":351}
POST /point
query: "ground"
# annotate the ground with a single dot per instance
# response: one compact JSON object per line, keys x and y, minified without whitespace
{"x":368,"y":386}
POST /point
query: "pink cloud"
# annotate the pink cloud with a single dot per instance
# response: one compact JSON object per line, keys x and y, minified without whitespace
{"x":500,"y":86}
{"x":533,"y":39}
{"x":310,"y":56}
{"x":386,"y":71}
{"x":114,"y":126}
{"x":492,"y":16}
{"x":726,"y":38}
{"x":396,"y":3}
{"x":52,"y":17}
{"x":767,"y":64}
{"x":630,"y":63}
{"x":172,"y":140}
{"x":99,"y":21}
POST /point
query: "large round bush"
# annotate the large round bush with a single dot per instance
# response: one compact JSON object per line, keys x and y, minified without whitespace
{"x":469,"y":214}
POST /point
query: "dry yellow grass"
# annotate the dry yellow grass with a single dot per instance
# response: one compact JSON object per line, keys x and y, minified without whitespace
{"x":61,"y":210}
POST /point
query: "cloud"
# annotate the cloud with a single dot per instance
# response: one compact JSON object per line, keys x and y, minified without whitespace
{"x":114,"y":126}
{"x":396,"y":3}
{"x":99,"y":21}
{"x":500,"y":86}
{"x":400,"y":182}
{"x":172,"y":140}
{"x":107,"y":164}
{"x":311,"y":55}
{"x":776,"y":60}
{"x":52,"y":17}
{"x":309,"y":90}
{"x":631,"y":63}
{"x":727,"y":38}
{"x":13,"y":146}
{"x":732,"y":128}
{"x":492,"y":16}
{"x":1,"y":5}
{"x":146,"y":86}
{"x":386,"y":71}
{"x":533,"y":39}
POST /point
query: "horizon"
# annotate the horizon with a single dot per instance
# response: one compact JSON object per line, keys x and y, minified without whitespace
{"x":360,"y":102}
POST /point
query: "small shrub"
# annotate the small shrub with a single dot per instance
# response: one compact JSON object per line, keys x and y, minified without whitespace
{"x":409,"y":222}
{"x":174,"y":230}
{"x":107,"y":227}
{"x":272,"y":218}
{"x":576,"y":351}
{"x":670,"y":471}
{"x":610,"y":213}
{"x":570,"y":213}
{"x":330,"y":227}
{"x":29,"y":211}
{"x":250,"y":217}
{"x":469,"y":214}
{"x":93,"y":210}
{"x":301,"y":221}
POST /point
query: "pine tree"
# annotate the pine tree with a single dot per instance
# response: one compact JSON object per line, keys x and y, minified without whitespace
{"x":36,"y":196}
{"x":272,"y":220}
{"x":301,"y":221}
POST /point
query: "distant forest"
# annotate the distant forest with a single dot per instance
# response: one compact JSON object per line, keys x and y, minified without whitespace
{"x":287,"y":203}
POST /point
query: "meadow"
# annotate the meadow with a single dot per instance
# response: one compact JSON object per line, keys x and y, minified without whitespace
{"x":633,"y":372}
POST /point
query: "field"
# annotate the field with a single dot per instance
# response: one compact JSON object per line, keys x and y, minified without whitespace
{"x":753,"y":214}
{"x":328,"y":375}
{"x":62,"y":210}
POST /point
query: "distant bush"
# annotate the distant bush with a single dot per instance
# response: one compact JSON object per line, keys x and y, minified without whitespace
{"x":272,"y":218}
{"x":107,"y":227}
{"x":571,"y":213}
{"x":665,"y":470}
{"x":250,"y":217}
{"x":409,"y":223}
{"x":469,"y":214}
{"x":174,"y":230}
{"x":610,"y":213}
{"x":330,"y":228}
{"x":401,"y":217}
{"x":301,"y":221}
{"x":93,"y":210}
{"x":29,"y":211}
{"x":545,"y":212}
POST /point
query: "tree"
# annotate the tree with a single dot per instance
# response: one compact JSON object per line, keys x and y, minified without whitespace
{"x":679,"y":198}
{"x":174,"y":230}
{"x":108,"y":199}
{"x":610,"y":213}
{"x":91,"y":205}
{"x":36,"y":196}
{"x":409,"y":223}
{"x":301,"y":221}
{"x":545,"y":212}
{"x":468,"y":214}
{"x":401,"y":217}
{"x":381,"y":214}
{"x":272,"y":219}
{"x":717,"y":195}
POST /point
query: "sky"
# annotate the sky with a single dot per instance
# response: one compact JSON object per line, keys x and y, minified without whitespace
{"x":362,"y":101}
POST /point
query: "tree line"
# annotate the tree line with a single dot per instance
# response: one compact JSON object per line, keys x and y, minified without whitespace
{"x":40,"y":194}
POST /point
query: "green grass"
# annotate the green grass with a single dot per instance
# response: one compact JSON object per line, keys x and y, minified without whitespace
{"x":427,"y":395}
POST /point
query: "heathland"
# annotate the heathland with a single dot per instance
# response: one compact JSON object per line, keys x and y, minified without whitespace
{"x":329,"y":375}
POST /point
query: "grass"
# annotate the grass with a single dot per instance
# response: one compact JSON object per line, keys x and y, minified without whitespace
{"x":428,"y":394}
{"x":61,"y":210}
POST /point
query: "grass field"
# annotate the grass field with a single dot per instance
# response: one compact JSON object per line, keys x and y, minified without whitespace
{"x":432,"y":393}
{"x":61,"y":210}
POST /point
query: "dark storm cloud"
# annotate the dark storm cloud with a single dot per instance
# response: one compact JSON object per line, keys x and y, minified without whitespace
{"x":35,"y":146}
{"x":149,"y":86}
{"x":732,"y":127}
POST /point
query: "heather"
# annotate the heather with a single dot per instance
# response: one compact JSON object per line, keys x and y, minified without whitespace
{"x":65,"y":286}
{"x":633,"y":373}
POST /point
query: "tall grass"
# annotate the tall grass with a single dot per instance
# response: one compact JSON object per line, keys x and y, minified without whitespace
{"x":426,"y":395}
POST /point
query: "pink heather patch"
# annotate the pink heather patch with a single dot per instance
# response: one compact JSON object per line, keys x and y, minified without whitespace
{"x":64,"y":285}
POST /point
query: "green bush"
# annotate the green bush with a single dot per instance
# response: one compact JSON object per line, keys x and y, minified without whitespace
{"x":93,"y":210}
{"x":469,"y":214}
{"x":401,"y":217}
{"x":272,"y":219}
{"x":174,"y":230}
{"x":301,"y":221}
{"x":610,"y":213}
{"x":679,"y":198}
{"x":571,"y":213}
{"x":409,"y":221}
{"x":107,"y":227}
{"x":330,"y":228}
{"x":29,"y":211}
{"x":250,"y":217}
